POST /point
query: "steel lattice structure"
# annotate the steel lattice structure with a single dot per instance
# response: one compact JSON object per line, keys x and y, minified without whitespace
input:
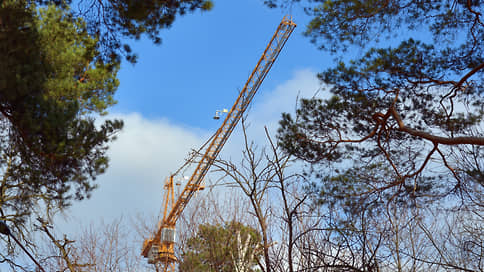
{"x":160,"y":248}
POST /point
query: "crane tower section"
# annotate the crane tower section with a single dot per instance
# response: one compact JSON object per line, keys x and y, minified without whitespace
{"x":160,"y":248}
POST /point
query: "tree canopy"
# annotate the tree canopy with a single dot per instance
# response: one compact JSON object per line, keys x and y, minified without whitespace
{"x":50,"y":89}
{"x":59,"y":64}
{"x":112,"y":21}
{"x":411,"y":105}
{"x":394,"y":146}
{"x":229,"y":247}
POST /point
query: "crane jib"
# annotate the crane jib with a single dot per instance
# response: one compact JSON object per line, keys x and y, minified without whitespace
{"x":235,"y":114}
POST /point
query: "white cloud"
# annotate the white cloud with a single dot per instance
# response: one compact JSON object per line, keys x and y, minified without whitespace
{"x":147,"y":151}
{"x":271,"y":104}
{"x":268,"y":106}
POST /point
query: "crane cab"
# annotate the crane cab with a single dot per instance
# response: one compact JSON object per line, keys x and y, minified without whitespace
{"x":167,"y":251}
{"x":168,"y":235}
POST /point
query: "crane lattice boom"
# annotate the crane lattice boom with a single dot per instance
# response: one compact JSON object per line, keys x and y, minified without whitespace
{"x":163,"y":241}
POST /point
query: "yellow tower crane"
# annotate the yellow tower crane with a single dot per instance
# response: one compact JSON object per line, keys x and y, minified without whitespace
{"x":160,"y":248}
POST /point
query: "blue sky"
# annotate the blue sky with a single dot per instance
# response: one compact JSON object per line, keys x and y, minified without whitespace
{"x":205,"y":58}
{"x":169,"y":97}
{"x":167,"y":101}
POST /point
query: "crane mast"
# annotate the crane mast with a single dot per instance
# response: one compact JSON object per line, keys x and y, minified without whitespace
{"x":160,"y":248}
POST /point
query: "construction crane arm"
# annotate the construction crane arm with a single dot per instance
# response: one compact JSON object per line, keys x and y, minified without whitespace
{"x":242,"y":102}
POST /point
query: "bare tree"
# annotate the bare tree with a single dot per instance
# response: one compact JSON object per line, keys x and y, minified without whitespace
{"x":100,"y":247}
{"x":253,"y":176}
{"x":274,"y":196}
{"x":306,"y":227}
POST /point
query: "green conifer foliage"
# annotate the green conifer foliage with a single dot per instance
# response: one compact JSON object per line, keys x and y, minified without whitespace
{"x":410,"y":102}
{"x":52,"y":85}
{"x":221,"y":248}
